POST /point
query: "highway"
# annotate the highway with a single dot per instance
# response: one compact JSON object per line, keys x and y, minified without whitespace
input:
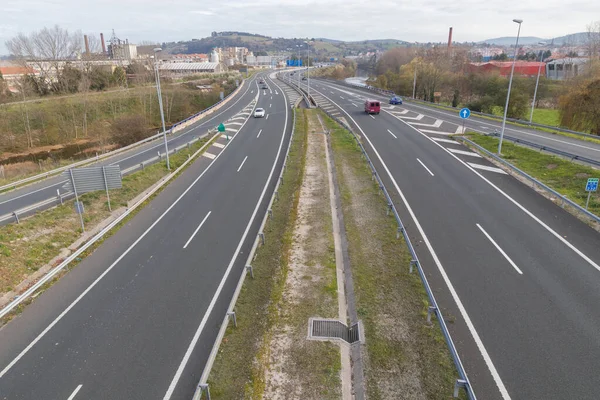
{"x":47,"y":189}
{"x":516,"y":275}
{"x":452,"y":123}
{"x":138,"y":317}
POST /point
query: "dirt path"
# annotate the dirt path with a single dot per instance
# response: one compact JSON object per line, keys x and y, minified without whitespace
{"x":299,"y":368}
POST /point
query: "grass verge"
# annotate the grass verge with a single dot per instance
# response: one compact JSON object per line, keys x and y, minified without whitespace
{"x":235,"y":375}
{"x":404,"y":356}
{"x":27,"y":246}
{"x":562,"y":175}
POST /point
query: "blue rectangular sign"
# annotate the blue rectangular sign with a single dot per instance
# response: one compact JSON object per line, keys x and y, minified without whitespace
{"x":592,"y":185}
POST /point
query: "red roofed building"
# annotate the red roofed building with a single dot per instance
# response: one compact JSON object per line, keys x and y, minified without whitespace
{"x":525,"y":68}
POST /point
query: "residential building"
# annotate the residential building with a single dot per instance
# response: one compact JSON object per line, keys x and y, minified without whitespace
{"x":503,"y":68}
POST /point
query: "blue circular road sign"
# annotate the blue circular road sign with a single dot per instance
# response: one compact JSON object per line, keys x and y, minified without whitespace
{"x":464,"y":113}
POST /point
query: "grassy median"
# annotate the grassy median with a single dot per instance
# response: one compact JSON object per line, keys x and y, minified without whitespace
{"x":566,"y":177}
{"x":405,"y":357}
{"x":236,"y":374}
{"x":31,"y":244}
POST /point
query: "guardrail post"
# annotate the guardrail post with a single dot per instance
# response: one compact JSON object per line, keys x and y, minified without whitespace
{"x":59,"y":196}
{"x":277,"y":195}
{"x":262,"y":237}
{"x":430,"y":310}
{"x":16,"y":216}
{"x":204,"y":389}
{"x":159,"y":156}
{"x":250,"y":270}
{"x":142,"y":164}
{"x":270,"y":211}
{"x":460,"y":383}
{"x":400,"y":229}
{"x":231,"y":315}
{"x":412,"y":264}
{"x":389,"y":208}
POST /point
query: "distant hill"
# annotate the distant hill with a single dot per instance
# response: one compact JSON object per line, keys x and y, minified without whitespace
{"x":265,"y":44}
{"x":572,"y":39}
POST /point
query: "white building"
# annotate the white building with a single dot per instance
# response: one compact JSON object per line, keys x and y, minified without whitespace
{"x":185,"y":68}
{"x":565,"y":68}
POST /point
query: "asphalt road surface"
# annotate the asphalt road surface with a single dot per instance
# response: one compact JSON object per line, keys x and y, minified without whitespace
{"x":138,"y":317}
{"x":517,"y":277}
{"x":453,"y":124}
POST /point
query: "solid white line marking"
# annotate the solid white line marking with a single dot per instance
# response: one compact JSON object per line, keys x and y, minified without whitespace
{"x":86,"y":291}
{"x":437,"y":139}
{"x":500,"y":250}
{"x":437,"y":132}
{"x":522,"y":208}
{"x":196,"y":231}
{"x":267,"y":116}
{"x":196,"y":337}
{"x":209,"y":155}
{"x":371,"y":116}
{"x":424,"y":166}
{"x":242,"y":164}
{"x":77,"y":389}
{"x":457,"y":300}
{"x":234,"y":123}
{"x":219,"y":145}
{"x":395,"y":137}
{"x":257,"y":136}
{"x":465,"y":153}
{"x":487,"y":168}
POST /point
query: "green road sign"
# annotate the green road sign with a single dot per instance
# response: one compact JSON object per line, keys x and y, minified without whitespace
{"x":221,"y":127}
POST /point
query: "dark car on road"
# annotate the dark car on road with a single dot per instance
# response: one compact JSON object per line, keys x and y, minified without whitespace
{"x":396,"y":100}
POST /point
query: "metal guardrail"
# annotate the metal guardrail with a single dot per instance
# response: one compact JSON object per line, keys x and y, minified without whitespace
{"x":513,"y":120}
{"x":57,"y":171}
{"x":535,"y":182}
{"x":31,"y":290}
{"x":202,"y":387}
{"x":296,"y":87}
{"x":463,"y":380}
{"x":548,"y":149}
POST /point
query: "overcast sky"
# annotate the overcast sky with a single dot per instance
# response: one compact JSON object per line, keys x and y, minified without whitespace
{"x":410,"y":20}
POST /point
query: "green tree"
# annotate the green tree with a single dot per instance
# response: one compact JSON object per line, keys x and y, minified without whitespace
{"x":119,"y":76}
{"x":99,"y":78}
{"x":68,"y":80}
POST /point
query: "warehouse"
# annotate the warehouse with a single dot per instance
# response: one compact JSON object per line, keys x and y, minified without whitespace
{"x":187,"y":68}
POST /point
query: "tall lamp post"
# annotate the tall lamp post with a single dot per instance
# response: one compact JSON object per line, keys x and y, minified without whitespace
{"x":512,"y":71}
{"x":537,"y":82}
{"x":162,"y":114}
{"x":308,"y":68}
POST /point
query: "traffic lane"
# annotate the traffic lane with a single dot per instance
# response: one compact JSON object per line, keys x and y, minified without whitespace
{"x":556,"y":288}
{"x":170,"y":235}
{"x":565,"y":143}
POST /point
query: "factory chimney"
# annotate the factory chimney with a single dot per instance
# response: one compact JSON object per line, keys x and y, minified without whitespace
{"x":450,"y":38}
{"x":87,"y":44}
{"x":103,"y":44}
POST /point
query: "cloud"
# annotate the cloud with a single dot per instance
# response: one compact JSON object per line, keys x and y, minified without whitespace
{"x":410,"y":20}
{"x":202,"y":12}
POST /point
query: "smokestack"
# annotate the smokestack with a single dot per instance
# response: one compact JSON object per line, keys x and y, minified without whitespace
{"x":103,"y":44}
{"x":87,"y":44}
{"x":450,"y":38}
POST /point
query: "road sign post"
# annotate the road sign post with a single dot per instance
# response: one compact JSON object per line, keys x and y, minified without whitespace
{"x":221,"y":128}
{"x":591,"y":186}
{"x":77,"y":200}
{"x":464,"y":113}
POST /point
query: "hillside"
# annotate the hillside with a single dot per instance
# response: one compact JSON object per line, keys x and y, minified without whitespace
{"x":263,"y":44}
{"x":572,"y":39}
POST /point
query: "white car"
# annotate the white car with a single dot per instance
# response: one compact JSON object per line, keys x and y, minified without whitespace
{"x":259,"y":113}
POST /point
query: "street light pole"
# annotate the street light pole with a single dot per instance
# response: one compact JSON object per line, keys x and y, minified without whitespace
{"x":162,"y":114}
{"x":537,"y":82}
{"x":415,"y":83}
{"x":512,"y":71}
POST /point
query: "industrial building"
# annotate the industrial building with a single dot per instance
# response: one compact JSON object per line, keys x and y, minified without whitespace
{"x":503,"y":68}
{"x":187,"y":68}
{"x":565,"y":68}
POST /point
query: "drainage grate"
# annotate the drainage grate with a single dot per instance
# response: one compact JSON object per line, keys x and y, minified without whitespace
{"x":333,"y":329}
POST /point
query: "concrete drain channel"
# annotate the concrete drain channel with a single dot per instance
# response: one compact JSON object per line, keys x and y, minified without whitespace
{"x":332,"y":329}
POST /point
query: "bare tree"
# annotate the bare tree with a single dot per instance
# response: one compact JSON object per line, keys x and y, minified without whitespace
{"x":593,"y":40}
{"x":45,"y":50}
